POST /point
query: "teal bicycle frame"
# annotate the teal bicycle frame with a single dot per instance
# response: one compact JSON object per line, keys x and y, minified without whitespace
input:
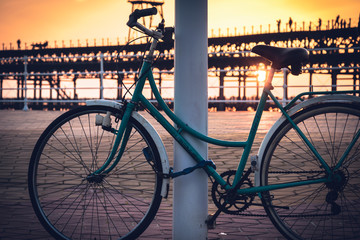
{"x":124,"y":131}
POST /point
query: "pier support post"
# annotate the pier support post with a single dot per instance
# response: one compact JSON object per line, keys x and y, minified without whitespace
{"x":221,"y":90}
{"x":1,"y":87}
{"x":26,"y":108}
{"x":333,"y":81}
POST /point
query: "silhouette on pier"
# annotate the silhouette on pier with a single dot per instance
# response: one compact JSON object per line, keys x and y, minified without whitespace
{"x":239,"y":58}
{"x":40,"y":45}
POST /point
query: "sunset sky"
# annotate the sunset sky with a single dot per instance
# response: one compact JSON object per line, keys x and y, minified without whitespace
{"x":78,"y":20}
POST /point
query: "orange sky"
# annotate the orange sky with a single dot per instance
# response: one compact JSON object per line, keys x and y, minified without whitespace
{"x":47,"y":20}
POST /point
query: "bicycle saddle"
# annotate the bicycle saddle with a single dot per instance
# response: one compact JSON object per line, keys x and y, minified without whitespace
{"x":283,"y":57}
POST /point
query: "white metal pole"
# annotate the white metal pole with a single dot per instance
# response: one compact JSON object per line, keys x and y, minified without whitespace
{"x":285,"y":85}
{"x":101,"y":76}
{"x":191,"y":64}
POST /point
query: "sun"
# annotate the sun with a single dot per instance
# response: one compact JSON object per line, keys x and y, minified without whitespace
{"x":261,"y":75}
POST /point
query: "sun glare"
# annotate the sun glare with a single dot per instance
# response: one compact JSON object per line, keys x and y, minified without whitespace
{"x":261,"y":75}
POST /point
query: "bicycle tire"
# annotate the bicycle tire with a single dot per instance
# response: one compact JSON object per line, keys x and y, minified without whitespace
{"x":312,"y":214}
{"x":69,"y":204}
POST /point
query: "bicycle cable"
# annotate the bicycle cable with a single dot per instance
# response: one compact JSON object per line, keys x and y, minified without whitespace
{"x":123,"y":98}
{"x":118,"y":61}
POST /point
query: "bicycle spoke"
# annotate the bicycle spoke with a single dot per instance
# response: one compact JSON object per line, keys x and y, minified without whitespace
{"x":73,"y":203}
{"x":327,"y":210}
{"x":61,"y":164}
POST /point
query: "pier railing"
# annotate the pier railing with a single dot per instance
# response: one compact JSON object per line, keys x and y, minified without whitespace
{"x":235,"y":84}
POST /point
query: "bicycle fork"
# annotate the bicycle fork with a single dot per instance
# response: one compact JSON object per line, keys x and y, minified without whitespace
{"x":122,"y":136}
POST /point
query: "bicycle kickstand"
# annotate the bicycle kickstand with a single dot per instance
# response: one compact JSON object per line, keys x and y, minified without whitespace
{"x":211,"y":219}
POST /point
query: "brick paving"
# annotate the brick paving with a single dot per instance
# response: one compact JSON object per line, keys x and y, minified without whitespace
{"x":20,"y":130}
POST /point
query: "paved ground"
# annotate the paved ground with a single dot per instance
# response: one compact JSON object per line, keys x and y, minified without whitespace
{"x":20,"y":130}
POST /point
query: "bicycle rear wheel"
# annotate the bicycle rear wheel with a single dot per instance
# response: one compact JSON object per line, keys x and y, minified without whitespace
{"x":317,"y":211}
{"x":72,"y":205}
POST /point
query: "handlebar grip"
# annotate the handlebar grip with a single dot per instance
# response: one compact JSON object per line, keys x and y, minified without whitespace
{"x":140,"y":13}
{"x":146,"y":12}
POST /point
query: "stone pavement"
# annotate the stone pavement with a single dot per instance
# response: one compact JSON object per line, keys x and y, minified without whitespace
{"x":20,"y":130}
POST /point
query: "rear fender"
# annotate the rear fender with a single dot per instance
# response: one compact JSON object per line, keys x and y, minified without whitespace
{"x":291,"y":112}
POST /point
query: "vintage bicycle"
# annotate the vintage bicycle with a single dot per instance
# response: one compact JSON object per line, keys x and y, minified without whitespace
{"x":100,"y":171}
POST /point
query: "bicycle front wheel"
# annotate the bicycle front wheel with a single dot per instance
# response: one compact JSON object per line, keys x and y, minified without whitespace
{"x":72,"y":203}
{"x":316,"y":211}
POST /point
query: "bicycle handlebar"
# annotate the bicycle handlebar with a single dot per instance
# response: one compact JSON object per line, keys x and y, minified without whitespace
{"x":143,"y":13}
{"x":140,"y":13}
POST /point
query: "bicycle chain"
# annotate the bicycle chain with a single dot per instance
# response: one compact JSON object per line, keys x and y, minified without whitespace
{"x":292,"y":172}
{"x":289,"y":216}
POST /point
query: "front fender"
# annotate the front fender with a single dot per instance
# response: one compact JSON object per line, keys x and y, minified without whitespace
{"x":291,"y":112}
{"x":153,"y":133}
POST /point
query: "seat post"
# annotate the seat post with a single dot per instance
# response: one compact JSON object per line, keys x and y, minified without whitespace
{"x":268,"y":82}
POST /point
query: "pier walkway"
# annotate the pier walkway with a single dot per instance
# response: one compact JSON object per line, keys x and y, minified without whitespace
{"x":20,"y":130}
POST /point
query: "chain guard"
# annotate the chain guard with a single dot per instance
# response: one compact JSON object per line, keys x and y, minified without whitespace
{"x":228,"y":201}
